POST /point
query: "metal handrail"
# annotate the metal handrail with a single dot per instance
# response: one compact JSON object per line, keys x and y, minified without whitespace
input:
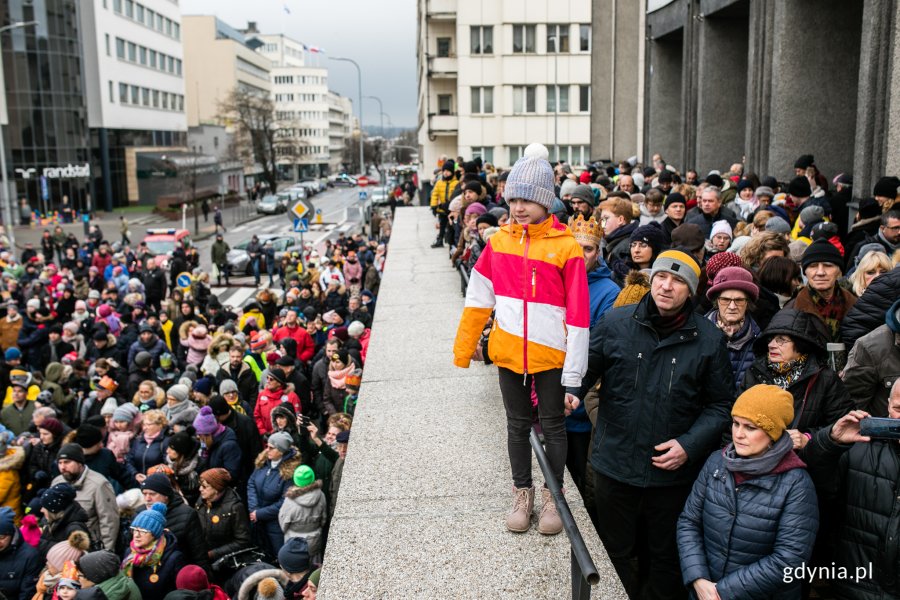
{"x":583,"y":569}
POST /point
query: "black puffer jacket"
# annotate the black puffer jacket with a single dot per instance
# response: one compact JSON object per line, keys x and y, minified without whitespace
{"x":184,"y":523}
{"x":74,"y":519}
{"x":225,"y":524}
{"x":655,"y":390}
{"x":868,"y":312}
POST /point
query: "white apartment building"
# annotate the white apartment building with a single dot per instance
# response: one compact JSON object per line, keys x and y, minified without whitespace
{"x":134,"y":88}
{"x":302,"y":106}
{"x":340,"y":129}
{"x":494,"y":77}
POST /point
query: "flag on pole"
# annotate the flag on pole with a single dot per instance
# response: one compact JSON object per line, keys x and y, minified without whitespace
{"x":286,"y":9}
{"x":316,"y":49}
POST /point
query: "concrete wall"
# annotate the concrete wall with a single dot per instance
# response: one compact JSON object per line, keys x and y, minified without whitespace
{"x":615,"y":79}
{"x":721,"y":93}
{"x":892,"y":153}
{"x":664,"y":115}
{"x":815,"y":73}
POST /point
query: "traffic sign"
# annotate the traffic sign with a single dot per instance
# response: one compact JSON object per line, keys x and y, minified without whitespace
{"x":301,"y":225}
{"x":363,"y":195}
{"x":301,"y":208}
{"x":183,"y":280}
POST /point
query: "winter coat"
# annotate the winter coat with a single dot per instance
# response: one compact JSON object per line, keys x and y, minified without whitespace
{"x":53,"y":353}
{"x":184,"y":523}
{"x":119,"y":587}
{"x":225,"y":453}
{"x":9,"y":331}
{"x":225,"y":525}
{"x":32,"y":338}
{"x":303,"y":514}
{"x":96,"y":496}
{"x":705,"y":222}
{"x":156,"y":348}
{"x":743,"y":537}
{"x":155,"y":284}
{"x":617,"y":246}
{"x":248,"y":439}
{"x":10,"y":482}
{"x":870,"y":477}
{"x":16,"y":420}
{"x":144,"y":455}
{"x":182,"y":413}
{"x":19,"y":569}
{"x":602,"y":291}
{"x":248,"y":586}
{"x":874,"y":365}
{"x":441,"y":193}
{"x":689,"y":370}
{"x":529,"y":267}
{"x":74,"y":519}
{"x":868,"y":312}
{"x":305,"y":346}
{"x":265,"y":494}
{"x":740,"y":346}
{"x":266,"y":401}
{"x":170,"y":563}
{"x":42,"y":466}
{"x":219,"y":252}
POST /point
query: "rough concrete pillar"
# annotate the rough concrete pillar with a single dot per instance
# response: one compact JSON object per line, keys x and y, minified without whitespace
{"x":892,"y":108}
{"x":759,"y":86}
{"x":615,"y":75}
{"x":664,"y":113}
{"x":721,"y":92}
{"x":815,"y":73}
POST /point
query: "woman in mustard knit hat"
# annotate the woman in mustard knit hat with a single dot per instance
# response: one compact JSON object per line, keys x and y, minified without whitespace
{"x":752,"y":513}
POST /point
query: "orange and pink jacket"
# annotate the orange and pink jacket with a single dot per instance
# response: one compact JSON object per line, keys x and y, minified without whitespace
{"x":534,"y":276}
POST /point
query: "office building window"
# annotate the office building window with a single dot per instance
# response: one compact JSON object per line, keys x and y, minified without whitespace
{"x":524,"y":99}
{"x":123,"y":93}
{"x":523,"y":39}
{"x":515,"y":153}
{"x":443,"y":47}
{"x":482,"y":100}
{"x":557,"y":96}
{"x":482,"y":39}
{"x":584,"y":36}
{"x":120,"y":48}
{"x":155,"y":98}
{"x":117,"y":6}
{"x":139,"y":13}
{"x":132,"y":51}
{"x":557,"y":37}
{"x":106,"y":39}
{"x":112,"y":96}
{"x":129,"y":9}
{"x":445,"y":104}
{"x":135,"y":94}
{"x":143,"y":55}
{"x":485,"y":152}
{"x":145,"y":96}
{"x":152,"y":57}
{"x":584,"y":98}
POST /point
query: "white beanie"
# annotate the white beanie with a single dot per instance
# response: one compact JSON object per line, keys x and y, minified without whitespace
{"x":721,"y":227}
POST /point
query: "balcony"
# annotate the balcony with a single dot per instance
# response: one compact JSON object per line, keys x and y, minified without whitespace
{"x":444,"y":124}
{"x":440,"y":10}
{"x":442,"y":67}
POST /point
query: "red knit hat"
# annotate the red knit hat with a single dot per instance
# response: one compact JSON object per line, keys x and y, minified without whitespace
{"x":192,"y":578}
{"x":719,"y":261}
{"x":53,"y":426}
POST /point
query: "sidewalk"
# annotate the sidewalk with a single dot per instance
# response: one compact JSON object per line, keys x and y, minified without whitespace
{"x":426,"y":485}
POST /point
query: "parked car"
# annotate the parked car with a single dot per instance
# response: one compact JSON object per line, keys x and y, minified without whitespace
{"x":318,"y":184}
{"x":239,"y":260}
{"x":343,"y":179}
{"x":162,"y":242}
{"x":270,"y":205}
{"x":311,"y":187}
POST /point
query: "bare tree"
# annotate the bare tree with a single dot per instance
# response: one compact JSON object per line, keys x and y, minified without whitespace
{"x":254,"y":115}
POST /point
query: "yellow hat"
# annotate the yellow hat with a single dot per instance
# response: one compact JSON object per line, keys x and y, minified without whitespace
{"x":636,"y":287}
{"x":768,"y":407}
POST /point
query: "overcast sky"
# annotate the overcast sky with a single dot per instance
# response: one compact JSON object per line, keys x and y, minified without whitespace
{"x":380,"y":35}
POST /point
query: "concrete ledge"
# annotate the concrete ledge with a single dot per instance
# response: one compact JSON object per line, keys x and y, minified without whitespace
{"x":426,"y":485}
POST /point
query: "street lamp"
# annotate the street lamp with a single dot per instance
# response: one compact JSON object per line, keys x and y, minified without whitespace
{"x":555,"y":93}
{"x":362,"y":162}
{"x":381,"y":160}
{"x":4,"y":118}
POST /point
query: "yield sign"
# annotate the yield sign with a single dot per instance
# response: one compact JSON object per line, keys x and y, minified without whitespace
{"x":301,"y":208}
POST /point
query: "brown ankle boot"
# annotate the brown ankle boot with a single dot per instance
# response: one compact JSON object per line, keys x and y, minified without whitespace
{"x":519,"y":520}
{"x":549,"y":522}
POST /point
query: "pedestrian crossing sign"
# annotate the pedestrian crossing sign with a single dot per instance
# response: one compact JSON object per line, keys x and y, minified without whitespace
{"x":301,"y":225}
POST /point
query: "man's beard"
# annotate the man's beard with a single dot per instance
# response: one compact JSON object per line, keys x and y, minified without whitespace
{"x":71,"y":477}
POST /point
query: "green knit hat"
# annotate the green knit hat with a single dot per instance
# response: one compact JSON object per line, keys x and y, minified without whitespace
{"x":303,"y":476}
{"x":314,"y":577}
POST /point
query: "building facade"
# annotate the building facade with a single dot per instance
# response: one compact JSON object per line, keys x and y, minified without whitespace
{"x":760,"y":82}
{"x":495,"y":77}
{"x":134,"y":87}
{"x":47,"y":139}
{"x":300,"y":93}
{"x":340,"y":130}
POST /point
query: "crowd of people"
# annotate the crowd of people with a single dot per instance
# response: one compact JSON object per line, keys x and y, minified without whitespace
{"x":701,"y":353}
{"x":156,"y":443}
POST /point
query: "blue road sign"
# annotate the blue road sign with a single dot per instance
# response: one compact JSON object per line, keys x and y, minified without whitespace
{"x":363,"y":195}
{"x":183,"y":280}
{"x":301,"y":225}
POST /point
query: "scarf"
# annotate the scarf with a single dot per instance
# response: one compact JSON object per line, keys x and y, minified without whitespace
{"x":832,"y":311}
{"x":339,"y":378}
{"x":757,"y":465}
{"x":144,"y":557}
{"x":666,"y":326}
{"x":236,"y":405}
{"x":786,"y":373}
{"x":149,"y":438}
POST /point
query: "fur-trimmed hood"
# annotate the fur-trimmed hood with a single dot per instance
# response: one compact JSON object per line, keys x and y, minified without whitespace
{"x":248,"y":588}
{"x":295,"y":493}
{"x":286,"y":467}
{"x":15,"y":458}
{"x":183,"y":330}
{"x":221,"y":343}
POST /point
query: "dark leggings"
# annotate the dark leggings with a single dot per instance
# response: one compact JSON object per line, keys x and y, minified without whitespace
{"x":516,"y":392}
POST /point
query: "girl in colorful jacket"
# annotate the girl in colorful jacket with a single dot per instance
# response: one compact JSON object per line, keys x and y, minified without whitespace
{"x":532,"y":274}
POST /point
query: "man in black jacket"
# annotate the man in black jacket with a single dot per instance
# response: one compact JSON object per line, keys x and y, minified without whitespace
{"x":155,"y":284}
{"x":247,"y":436}
{"x":665,"y":399}
{"x":182,"y":520}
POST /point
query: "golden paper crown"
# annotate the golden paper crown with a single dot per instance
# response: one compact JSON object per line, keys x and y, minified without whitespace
{"x":588,"y":231}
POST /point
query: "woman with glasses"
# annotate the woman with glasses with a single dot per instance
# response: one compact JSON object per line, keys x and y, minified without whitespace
{"x":792,"y":354}
{"x":153,"y":559}
{"x":732,"y":294}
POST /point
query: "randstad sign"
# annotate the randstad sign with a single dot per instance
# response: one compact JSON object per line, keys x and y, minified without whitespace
{"x":70,"y":171}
